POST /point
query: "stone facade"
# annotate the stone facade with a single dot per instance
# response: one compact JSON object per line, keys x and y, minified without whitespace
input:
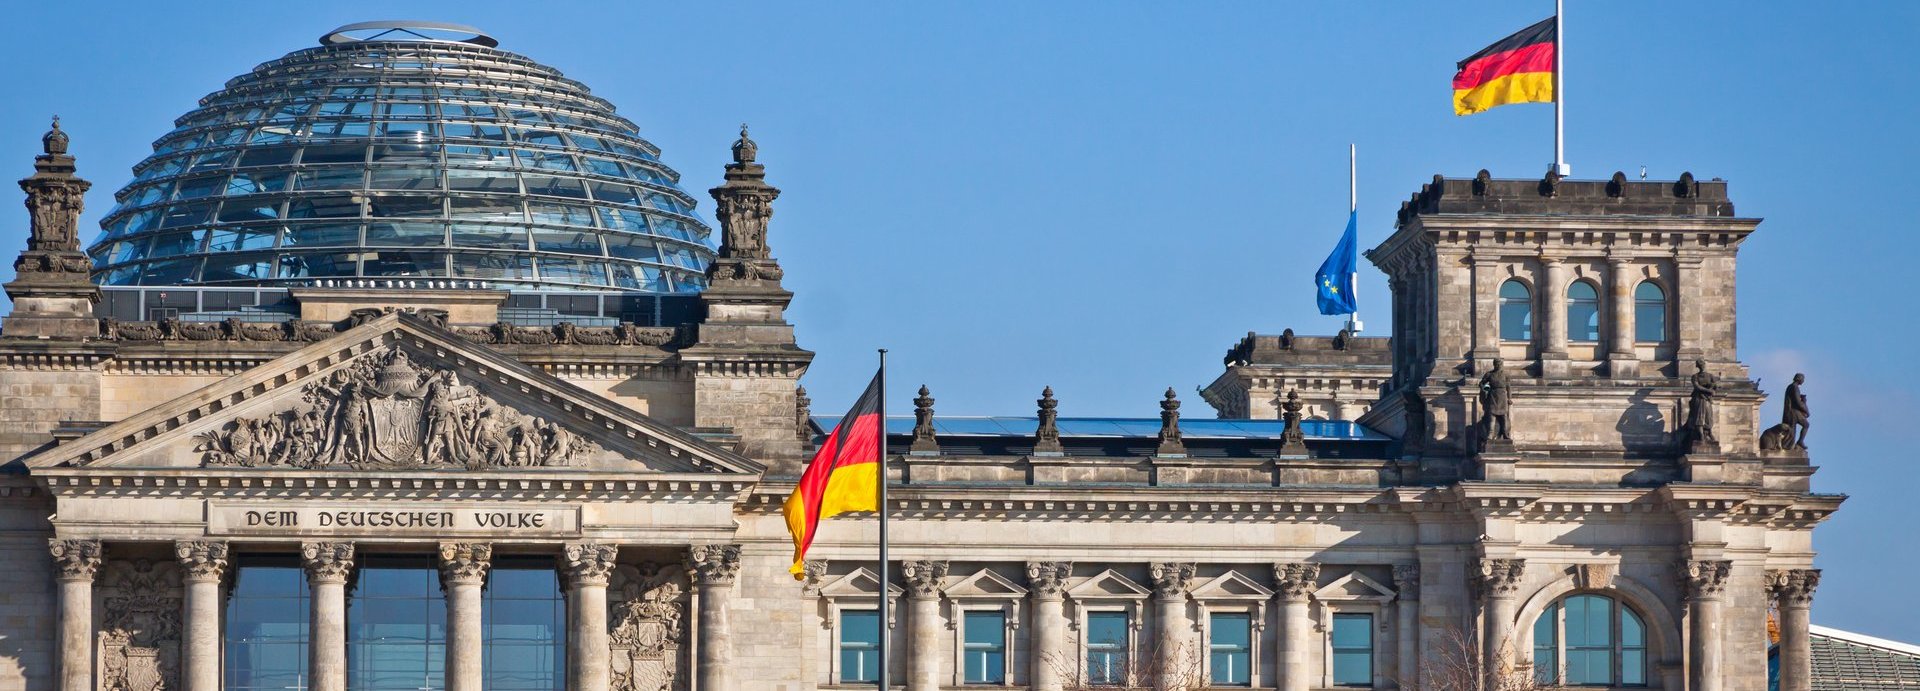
{"x":650,"y":465}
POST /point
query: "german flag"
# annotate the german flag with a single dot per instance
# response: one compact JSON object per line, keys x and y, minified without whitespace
{"x":1517,"y":69}
{"x":843,"y":476}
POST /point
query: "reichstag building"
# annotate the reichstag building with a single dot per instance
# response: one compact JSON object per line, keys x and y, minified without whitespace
{"x":404,"y":363}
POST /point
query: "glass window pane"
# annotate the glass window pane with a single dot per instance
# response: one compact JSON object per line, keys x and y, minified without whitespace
{"x":1516,"y":312}
{"x":242,"y":267}
{"x":405,"y":179}
{"x":396,"y":625}
{"x":1583,"y":312}
{"x":985,"y":649}
{"x":1546,"y":646}
{"x":240,"y":239}
{"x":569,"y":241}
{"x":524,"y":626}
{"x":408,"y":206}
{"x":322,"y":235}
{"x":495,"y":181}
{"x":1106,"y":644}
{"x":318,"y":265}
{"x":330,"y":206}
{"x":1229,"y":649}
{"x":493,"y":266}
{"x":859,"y":646}
{"x":1649,"y":313}
{"x":488,"y":209}
{"x":266,"y":626}
{"x":502,"y":237}
{"x":1353,"y":649}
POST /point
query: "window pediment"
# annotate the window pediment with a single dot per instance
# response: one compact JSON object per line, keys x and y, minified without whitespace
{"x":1354,"y":586}
{"x":984,"y":584}
{"x":1108,"y":584}
{"x":1231,"y":585}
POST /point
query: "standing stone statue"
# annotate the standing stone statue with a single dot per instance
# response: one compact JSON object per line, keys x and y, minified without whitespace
{"x":1794,"y":412}
{"x":1706,"y":386}
{"x":1496,"y":403}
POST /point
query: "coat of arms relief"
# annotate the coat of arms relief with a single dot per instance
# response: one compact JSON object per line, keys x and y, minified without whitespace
{"x":384,"y":411}
{"x":648,"y":612}
{"x":139,"y":636}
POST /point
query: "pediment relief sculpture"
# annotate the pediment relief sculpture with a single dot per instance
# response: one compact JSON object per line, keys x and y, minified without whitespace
{"x":387,"y":412}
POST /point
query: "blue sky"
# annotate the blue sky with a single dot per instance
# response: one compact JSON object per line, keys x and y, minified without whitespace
{"x":1103,"y":197}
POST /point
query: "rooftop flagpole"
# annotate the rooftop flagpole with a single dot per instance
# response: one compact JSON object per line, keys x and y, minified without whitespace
{"x":885,"y":579}
{"x":1353,"y":207}
{"x":1559,"y":89}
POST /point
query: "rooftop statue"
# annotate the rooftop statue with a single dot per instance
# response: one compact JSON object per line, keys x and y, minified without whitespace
{"x":1496,"y":403}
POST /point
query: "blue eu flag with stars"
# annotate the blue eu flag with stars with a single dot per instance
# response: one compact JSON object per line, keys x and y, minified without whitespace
{"x":1334,"y":281}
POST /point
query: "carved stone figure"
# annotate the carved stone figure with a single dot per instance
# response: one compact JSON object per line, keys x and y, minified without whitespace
{"x":1793,"y":419}
{"x":802,"y":416}
{"x":138,"y":642}
{"x":1706,"y":386}
{"x":648,"y":627}
{"x":1496,"y":404}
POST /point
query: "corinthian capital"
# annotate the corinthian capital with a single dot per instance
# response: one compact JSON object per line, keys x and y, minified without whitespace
{"x":1706,"y":578}
{"x":1296,"y":581}
{"x":1170,"y":578}
{"x":327,"y":562}
{"x":1406,"y":581}
{"x":1499,"y":578}
{"x":75,"y":560}
{"x":1793,"y":587}
{"x":714,"y":564}
{"x":1047,"y":580}
{"x":588,"y":563}
{"x":203,"y":561}
{"x":923,"y":578}
{"x":465,"y":562}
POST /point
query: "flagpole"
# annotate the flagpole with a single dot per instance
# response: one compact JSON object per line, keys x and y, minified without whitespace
{"x":1353,"y":207}
{"x":1559,"y":90}
{"x":886,"y":628}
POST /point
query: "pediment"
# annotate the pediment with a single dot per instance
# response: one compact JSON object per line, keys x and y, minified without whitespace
{"x":985,"y":584}
{"x":1231,"y":585}
{"x":394,"y":394}
{"x":861,"y":582}
{"x":1107,"y":584}
{"x":1354,"y":586}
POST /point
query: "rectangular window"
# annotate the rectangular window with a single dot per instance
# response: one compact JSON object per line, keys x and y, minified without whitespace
{"x":1106,"y":648}
{"x":524,"y":626}
{"x":266,"y":627}
{"x":986,"y":648}
{"x":1230,"y":649}
{"x":1353,"y":650}
{"x":859,"y":646}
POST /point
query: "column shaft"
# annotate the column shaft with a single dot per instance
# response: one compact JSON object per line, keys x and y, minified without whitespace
{"x":1170,"y":649}
{"x":1706,"y":654}
{"x":1050,"y":661}
{"x":1294,"y":641}
{"x":1499,"y":644}
{"x":715,"y":568}
{"x":1623,"y":362}
{"x":1796,"y":649}
{"x":463,"y":571}
{"x":586,"y":568}
{"x":327,"y":564}
{"x":923,"y":643}
{"x":205,"y":563}
{"x":75,"y":564}
{"x":1553,"y":321}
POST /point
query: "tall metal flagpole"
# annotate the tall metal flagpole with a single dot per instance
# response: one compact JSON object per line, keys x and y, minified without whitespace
{"x":1559,"y":89}
{"x":886,"y":631}
{"x":1353,"y":206}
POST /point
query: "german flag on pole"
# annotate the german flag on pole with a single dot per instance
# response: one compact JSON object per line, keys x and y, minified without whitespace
{"x":843,"y":476}
{"x":1517,"y":69}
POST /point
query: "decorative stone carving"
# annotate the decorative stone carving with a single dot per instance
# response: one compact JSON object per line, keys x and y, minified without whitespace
{"x":1496,"y":406}
{"x":75,"y":559}
{"x":1171,"y":579}
{"x":465,"y":562}
{"x":813,"y":574}
{"x":1170,"y":442}
{"x":744,"y":207}
{"x":1047,"y":580}
{"x":1793,"y":419}
{"x":1699,"y":434}
{"x":923,"y":441}
{"x":589,"y":563}
{"x":1046,"y":437}
{"x":802,"y":415}
{"x":648,"y":628}
{"x":202,"y":560}
{"x":1706,"y":578}
{"x":714,"y":564}
{"x":1414,"y":407}
{"x":383,"y":412}
{"x":1792,"y":587}
{"x":1293,"y":441}
{"x":567,"y":333}
{"x":55,"y":198}
{"x":138,"y":642}
{"x":1595,"y":576}
{"x":328,"y":562}
{"x":1500,"y":578}
{"x":1296,"y":581}
{"x":923,"y":578}
{"x":1406,"y":581}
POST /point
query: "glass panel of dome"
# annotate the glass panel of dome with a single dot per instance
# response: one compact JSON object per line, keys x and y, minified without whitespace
{"x":317,"y":265}
{"x":242,"y":212}
{"x":560,"y":214}
{"x":267,"y":156}
{"x":272,"y":134}
{"x":196,"y":188}
{"x":238,"y":239}
{"x":167,"y":273}
{"x":403,"y":263}
{"x":128,"y":251}
{"x":123,"y":276}
{"x":191,"y":214}
{"x":539,"y":138}
{"x":624,"y":246}
{"x":553,"y":160}
{"x":572,"y":242}
{"x":407,"y":206}
{"x":411,"y":178}
{"x":237,"y":268}
{"x":502,"y":237}
{"x":498,"y":182}
{"x":493,"y":266}
{"x":406,"y":110}
{"x":334,"y":153}
{"x":164,"y":168}
{"x":322,"y":235}
{"x":479,"y":155}
{"x":616,"y":194}
{"x":211,"y":160}
{"x":636,"y":277}
{"x":605,"y":167}
{"x":671,"y":227}
{"x":573,"y":271}
{"x":332,"y":206}
{"x":406,"y":151}
{"x":555,"y":186}
{"x":147,"y":195}
{"x":144,"y":220}
{"x":406,"y":234}
{"x":680,"y":256}
{"x":500,"y":209}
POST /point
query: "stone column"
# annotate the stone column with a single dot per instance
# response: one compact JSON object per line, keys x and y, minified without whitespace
{"x":714,"y":569}
{"x":1552,"y":319}
{"x":1406,"y":609}
{"x":1622,"y":361}
{"x":923,"y":580}
{"x":586,"y":566}
{"x":1294,"y":647}
{"x":1706,"y":583}
{"x":1499,"y":582}
{"x":75,"y":563}
{"x":1792,"y":592}
{"x":463,"y":572}
{"x":1172,"y":651}
{"x":204,"y":563}
{"x":327,"y":564}
{"x":1051,"y":664}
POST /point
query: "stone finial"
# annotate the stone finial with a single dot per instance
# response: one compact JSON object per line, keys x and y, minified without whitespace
{"x":55,"y":198}
{"x":75,"y":560}
{"x":923,"y":578}
{"x":714,"y":564}
{"x":1047,"y":580}
{"x":923,"y":441}
{"x":1170,"y":443}
{"x":1171,"y":578}
{"x":1792,"y":587}
{"x":1500,"y":578}
{"x":327,"y":562}
{"x":744,"y":207}
{"x":1296,"y":580}
{"x":1293,"y":441}
{"x":802,"y":415}
{"x":744,"y":150}
{"x":588,"y":563}
{"x":1706,"y":578}
{"x":54,"y":142}
{"x":465,"y":562}
{"x":1406,"y":581}
{"x":1046,"y":438}
{"x":202,"y":560}
{"x":1550,"y":185}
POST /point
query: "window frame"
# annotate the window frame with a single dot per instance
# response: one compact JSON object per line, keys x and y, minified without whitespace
{"x":1254,"y":629}
{"x":856,"y":590}
{"x":1128,"y":648}
{"x":1372,"y":649}
{"x":1599,"y":319}
{"x":966,"y":648}
{"x":986,"y":590}
{"x":1666,"y":309}
{"x":1617,"y":611}
{"x":1501,"y":302}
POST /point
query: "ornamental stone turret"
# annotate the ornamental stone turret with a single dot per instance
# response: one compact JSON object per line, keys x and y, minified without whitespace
{"x":52,"y":294}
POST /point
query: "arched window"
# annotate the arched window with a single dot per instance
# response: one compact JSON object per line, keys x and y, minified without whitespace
{"x":1649,"y":312}
{"x":1516,"y":311}
{"x":1590,"y":640}
{"x":1583,"y":312}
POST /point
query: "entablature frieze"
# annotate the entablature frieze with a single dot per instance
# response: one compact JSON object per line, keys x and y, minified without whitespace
{"x":451,"y":485}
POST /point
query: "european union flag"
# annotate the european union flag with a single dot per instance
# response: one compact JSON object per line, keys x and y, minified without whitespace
{"x":1335,"y":278}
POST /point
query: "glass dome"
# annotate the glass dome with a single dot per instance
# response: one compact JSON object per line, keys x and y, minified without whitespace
{"x":391,"y":152}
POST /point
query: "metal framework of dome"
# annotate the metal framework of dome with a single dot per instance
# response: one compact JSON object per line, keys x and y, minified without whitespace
{"x":404,"y":149}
